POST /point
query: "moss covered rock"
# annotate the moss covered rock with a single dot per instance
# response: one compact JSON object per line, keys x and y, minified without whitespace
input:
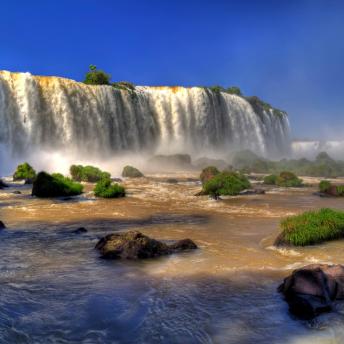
{"x":226,"y":183}
{"x":131,"y":172}
{"x":24,"y":172}
{"x":311,"y":227}
{"x":55,"y":185}
{"x":106,"y":189}
{"x":208,"y":173}
{"x":87,"y":173}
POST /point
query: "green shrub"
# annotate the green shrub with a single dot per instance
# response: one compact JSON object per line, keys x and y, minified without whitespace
{"x":226,"y":183}
{"x":131,"y":172}
{"x":340,"y":190}
{"x":288,"y":179}
{"x":24,"y":172}
{"x":234,"y":90}
{"x":270,"y":180}
{"x":324,"y":186}
{"x":96,"y":77}
{"x":208,"y":173}
{"x":55,"y":185}
{"x":104,"y":188}
{"x":124,"y":85}
{"x":312,"y":227}
{"x":88,"y":173}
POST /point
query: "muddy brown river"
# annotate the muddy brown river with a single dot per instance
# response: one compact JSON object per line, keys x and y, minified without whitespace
{"x":56,"y":289}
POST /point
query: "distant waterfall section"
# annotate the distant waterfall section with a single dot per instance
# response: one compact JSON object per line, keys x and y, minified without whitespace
{"x":52,"y":113}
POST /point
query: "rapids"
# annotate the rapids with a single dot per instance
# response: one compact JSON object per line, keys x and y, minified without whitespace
{"x":55,"y":289}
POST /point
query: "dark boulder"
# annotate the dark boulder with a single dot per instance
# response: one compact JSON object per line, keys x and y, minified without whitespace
{"x":313,"y":289}
{"x":2,"y":184}
{"x":183,"y":245}
{"x":16,"y":192}
{"x":80,"y":230}
{"x":135,"y":245}
{"x":2,"y":225}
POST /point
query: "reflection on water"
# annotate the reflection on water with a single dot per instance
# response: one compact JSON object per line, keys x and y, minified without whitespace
{"x":55,"y":289}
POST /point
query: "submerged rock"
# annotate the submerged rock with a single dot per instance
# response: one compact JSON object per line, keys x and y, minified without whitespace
{"x":16,"y":192}
{"x":252,"y":192}
{"x":135,"y":245}
{"x":172,"y":181}
{"x":80,"y":230}
{"x":2,"y":225}
{"x":313,"y":289}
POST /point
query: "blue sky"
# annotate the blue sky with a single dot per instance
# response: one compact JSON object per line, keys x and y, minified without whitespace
{"x":290,"y":53}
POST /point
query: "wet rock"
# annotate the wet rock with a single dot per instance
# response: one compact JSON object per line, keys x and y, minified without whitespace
{"x":2,"y":184}
{"x":201,"y":193}
{"x":2,"y":225}
{"x":313,"y":289}
{"x":183,"y":245}
{"x":172,"y":181}
{"x":135,"y":245}
{"x":117,"y":180}
{"x":80,"y":230}
{"x":131,"y":172}
{"x":252,"y":192}
{"x":17,"y":192}
{"x":28,"y":181}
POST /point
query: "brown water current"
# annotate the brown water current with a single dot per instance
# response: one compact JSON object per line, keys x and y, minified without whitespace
{"x":55,"y":289}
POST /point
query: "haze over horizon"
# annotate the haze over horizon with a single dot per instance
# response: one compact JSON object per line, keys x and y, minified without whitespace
{"x":287,"y":53}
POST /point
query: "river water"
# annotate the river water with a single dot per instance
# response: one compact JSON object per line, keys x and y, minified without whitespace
{"x":56,"y":289}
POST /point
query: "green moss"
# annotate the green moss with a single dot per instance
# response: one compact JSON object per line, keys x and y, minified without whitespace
{"x":288,"y":179}
{"x":55,"y":185}
{"x":324,"y":186}
{"x":24,"y":172}
{"x":131,"y":172}
{"x":312,"y":227}
{"x":208,"y":173}
{"x":226,"y":183}
{"x":104,"y":188}
{"x":270,"y":180}
{"x":88,"y":173}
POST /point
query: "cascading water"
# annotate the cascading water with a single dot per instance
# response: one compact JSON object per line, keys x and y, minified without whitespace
{"x":55,"y":114}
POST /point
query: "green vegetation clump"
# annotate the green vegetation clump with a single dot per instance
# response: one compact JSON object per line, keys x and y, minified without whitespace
{"x":55,"y":185}
{"x":24,"y":172}
{"x":330,"y":189}
{"x":104,"y":188}
{"x":131,"y":172}
{"x":270,"y":180}
{"x":288,"y":179}
{"x":226,"y":183}
{"x":208,"y":173}
{"x":124,"y":85}
{"x":88,"y":173}
{"x":96,"y":77}
{"x":324,"y":185}
{"x":312,"y":227}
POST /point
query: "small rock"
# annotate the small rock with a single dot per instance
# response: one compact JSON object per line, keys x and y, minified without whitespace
{"x":183,"y":245}
{"x":172,"y":181}
{"x":252,"y":192}
{"x":17,"y":192}
{"x":80,"y":230}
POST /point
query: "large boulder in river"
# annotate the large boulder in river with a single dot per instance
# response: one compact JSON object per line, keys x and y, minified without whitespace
{"x":313,"y":289}
{"x":131,"y":172}
{"x":135,"y":245}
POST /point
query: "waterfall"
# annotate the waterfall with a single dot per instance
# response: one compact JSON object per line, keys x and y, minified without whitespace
{"x":51,"y":114}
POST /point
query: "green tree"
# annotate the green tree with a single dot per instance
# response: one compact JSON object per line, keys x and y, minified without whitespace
{"x":97,"y":77}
